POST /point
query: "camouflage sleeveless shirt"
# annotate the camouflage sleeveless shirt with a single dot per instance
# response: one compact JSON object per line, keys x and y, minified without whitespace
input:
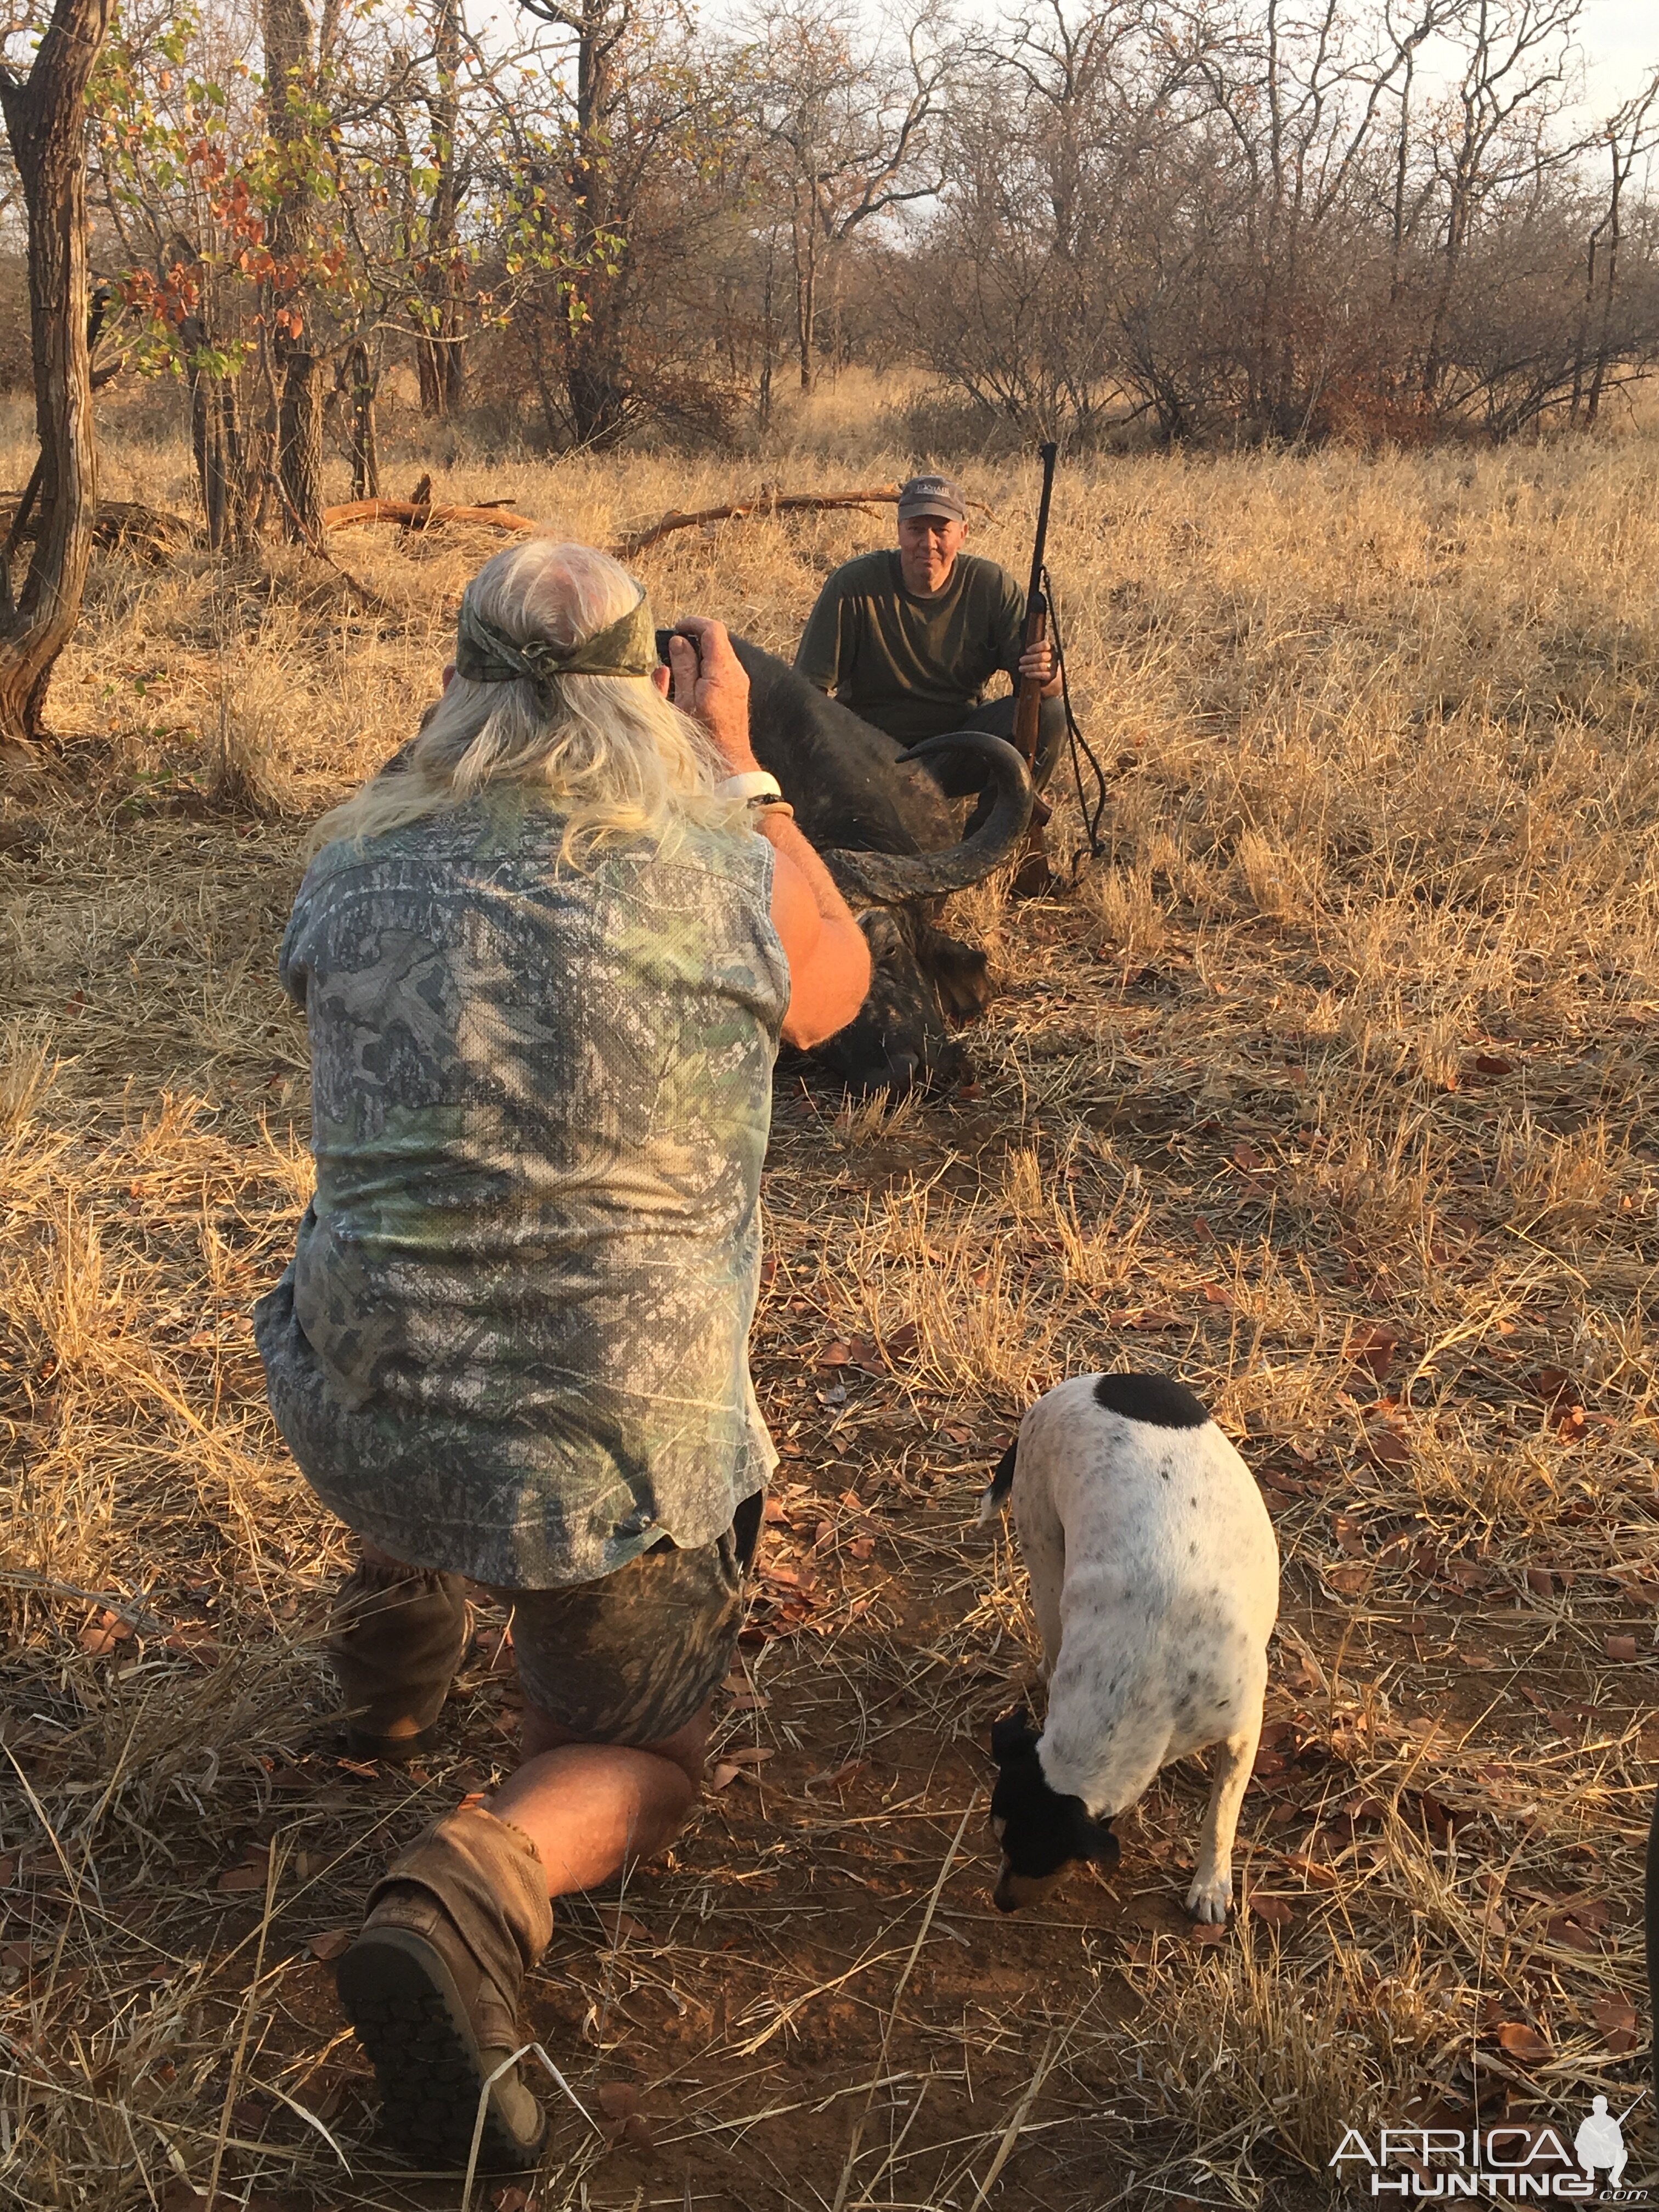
{"x":513,"y":1341}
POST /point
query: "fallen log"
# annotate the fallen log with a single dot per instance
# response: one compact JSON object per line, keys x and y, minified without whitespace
{"x":764,"y":502}
{"x":424,"y":516}
{"x":119,"y":524}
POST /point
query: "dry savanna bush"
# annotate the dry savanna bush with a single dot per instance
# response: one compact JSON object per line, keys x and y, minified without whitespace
{"x":1327,"y":1083}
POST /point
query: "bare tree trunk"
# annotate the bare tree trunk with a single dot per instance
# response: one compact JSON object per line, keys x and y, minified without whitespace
{"x":45,"y":123}
{"x":438,"y":357}
{"x":365,"y":451}
{"x":288,"y":76}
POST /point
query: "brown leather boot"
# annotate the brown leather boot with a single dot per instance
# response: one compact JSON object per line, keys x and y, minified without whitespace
{"x":396,"y":1638}
{"x":432,"y":1987}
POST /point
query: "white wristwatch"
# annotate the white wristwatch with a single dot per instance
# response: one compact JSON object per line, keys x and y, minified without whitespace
{"x":753,"y":784}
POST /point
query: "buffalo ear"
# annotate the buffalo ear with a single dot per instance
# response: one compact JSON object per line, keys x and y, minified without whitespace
{"x":1011,"y":1736}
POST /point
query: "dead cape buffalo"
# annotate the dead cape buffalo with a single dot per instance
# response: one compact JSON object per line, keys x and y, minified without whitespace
{"x":891,"y":840}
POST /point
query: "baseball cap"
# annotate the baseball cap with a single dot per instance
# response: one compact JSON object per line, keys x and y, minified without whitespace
{"x":932,"y":496}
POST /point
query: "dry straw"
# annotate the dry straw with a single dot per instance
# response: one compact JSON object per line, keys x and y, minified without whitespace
{"x":1331,"y":1087}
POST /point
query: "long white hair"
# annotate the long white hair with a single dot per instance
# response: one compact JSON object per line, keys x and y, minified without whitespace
{"x":608,"y":753}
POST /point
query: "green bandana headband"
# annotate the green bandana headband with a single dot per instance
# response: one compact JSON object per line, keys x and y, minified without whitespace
{"x":484,"y":655}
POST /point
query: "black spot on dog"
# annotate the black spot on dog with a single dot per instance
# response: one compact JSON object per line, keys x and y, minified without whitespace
{"x":1157,"y":1400}
{"x":1042,"y":1830}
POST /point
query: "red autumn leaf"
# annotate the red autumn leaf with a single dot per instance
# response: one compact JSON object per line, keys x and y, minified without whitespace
{"x":1571,"y":1425}
{"x":329,"y":1943}
{"x":1206,"y":1932}
{"x":1522,"y":2041}
{"x":1493,"y":1063}
{"x":1350,"y":1536}
{"x":862,"y":1548}
{"x":1541,"y":1581}
{"x":1248,"y":1157}
{"x":638,"y":2130}
{"x":1621,"y":1648}
{"x":1348,"y":1581}
{"x":904,"y":1341}
{"x":616,"y":2099}
{"x":838,"y":1354}
{"x":1216,"y":1295}
{"x":752,"y":1755}
{"x":1373,"y":1347}
{"x":723,"y":1773}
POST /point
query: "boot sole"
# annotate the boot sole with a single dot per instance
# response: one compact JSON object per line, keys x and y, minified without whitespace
{"x":401,"y":1998}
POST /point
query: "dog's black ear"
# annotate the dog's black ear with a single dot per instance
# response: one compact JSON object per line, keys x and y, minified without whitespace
{"x":1011,"y":1735}
{"x":1102,"y":1846}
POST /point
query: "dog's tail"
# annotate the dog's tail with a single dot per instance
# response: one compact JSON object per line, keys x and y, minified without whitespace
{"x":995,"y":1496}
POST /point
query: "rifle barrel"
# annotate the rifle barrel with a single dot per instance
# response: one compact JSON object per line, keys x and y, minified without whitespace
{"x":1049,"y":453}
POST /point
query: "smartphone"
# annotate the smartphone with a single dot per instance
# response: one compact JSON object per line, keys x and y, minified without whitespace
{"x":663,"y":636}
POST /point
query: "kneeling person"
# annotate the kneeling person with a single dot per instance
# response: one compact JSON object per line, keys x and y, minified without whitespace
{"x":909,"y":638}
{"x":544,"y":964}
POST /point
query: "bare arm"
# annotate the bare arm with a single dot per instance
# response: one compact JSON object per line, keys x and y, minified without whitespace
{"x":829,"y":957}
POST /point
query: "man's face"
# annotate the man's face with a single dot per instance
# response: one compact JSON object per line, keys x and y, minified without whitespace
{"x":928,"y":546}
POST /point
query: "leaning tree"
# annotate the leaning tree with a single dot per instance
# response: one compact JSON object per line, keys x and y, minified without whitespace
{"x":45,"y":109}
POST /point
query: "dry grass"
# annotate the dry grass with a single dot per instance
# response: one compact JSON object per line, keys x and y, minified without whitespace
{"x":1330,"y":1087}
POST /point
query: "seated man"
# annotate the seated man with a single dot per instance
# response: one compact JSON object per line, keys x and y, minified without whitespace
{"x":910,"y":640}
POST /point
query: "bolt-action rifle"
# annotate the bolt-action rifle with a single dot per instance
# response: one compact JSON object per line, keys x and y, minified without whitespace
{"x":1031,"y":877}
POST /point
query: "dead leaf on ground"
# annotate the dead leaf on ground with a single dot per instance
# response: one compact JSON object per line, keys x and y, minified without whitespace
{"x":837,"y":1354}
{"x":723,"y":1773}
{"x":1388,"y":1448}
{"x":249,"y":1873}
{"x":1616,"y":2018}
{"x":1621,"y":1648}
{"x":1274,"y":1911}
{"x":330,"y":1944}
{"x":616,"y":2099}
{"x":1346,"y":1582}
{"x":1523,"y":2041}
{"x":103,"y":1631}
{"x":1207,"y":1932}
{"x":1373,"y":1347}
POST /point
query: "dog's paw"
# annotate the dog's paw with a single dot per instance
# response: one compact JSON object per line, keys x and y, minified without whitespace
{"x":1208,"y":1902}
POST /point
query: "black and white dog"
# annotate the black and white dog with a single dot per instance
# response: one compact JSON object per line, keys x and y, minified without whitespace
{"x":1155,"y":1578}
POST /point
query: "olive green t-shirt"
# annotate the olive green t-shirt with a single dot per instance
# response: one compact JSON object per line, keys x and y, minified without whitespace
{"x":913,"y":666}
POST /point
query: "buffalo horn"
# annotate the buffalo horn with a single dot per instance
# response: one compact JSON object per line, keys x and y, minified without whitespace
{"x":890,"y":878}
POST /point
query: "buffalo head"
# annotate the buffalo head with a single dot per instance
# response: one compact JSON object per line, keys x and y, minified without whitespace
{"x":878,"y":817}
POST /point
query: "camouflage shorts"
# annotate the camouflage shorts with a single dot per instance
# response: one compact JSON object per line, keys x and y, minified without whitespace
{"x":630,"y":1659}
